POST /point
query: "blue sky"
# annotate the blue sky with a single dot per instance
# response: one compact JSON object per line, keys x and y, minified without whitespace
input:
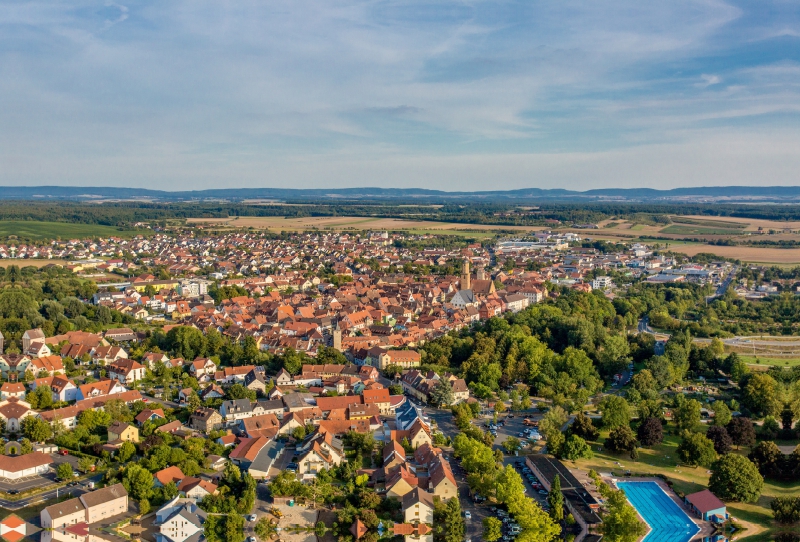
{"x":435,"y":94}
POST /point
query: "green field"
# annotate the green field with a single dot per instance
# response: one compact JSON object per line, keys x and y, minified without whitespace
{"x":30,"y":229}
{"x":686,"y":229}
{"x":778,"y":362}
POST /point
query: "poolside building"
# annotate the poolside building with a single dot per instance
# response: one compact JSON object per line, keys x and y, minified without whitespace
{"x":707,"y":506}
{"x":580,"y":503}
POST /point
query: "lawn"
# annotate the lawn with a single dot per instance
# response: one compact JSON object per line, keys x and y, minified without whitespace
{"x":663,"y":460}
{"x":30,"y":229}
{"x":779,"y":362}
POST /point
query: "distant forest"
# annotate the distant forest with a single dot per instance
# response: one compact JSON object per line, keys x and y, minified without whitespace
{"x":127,"y":213}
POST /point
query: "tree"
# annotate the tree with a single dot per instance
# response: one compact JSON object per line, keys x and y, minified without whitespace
{"x":85,"y":464}
{"x":36,"y":429}
{"x":512,"y":444}
{"x":614,"y":357}
{"x":555,"y":442}
{"x":735,"y":478}
{"x":64,"y":471}
{"x":556,"y":500}
{"x":621,"y":440}
{"x":760,"y":394}
{"x":26,"y":446}
{"x":786,"y":509}
{"x":574,"y":448}
{"x":722,"y":414}
{"x":768,"y":458}
{"x":144,"y":507}
{"x":442,"y":394}
{"x":687,"y":413}
{"x":742,"y":431}
{"x":492,"y":529}
{"x":138,"y":482}
{"x":126,"y":451}
{"x":616,"y":411}
{"x":552,"y":422}
{"x":721,"y":439}
{"x":717,"y":347}
{"x":696,"y":449}
{"x":650,"y":432}
{"x":582,"y":426}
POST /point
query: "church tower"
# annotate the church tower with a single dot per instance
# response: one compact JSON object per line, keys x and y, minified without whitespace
{"x":480,"y":272}
{"x":466,"y":280}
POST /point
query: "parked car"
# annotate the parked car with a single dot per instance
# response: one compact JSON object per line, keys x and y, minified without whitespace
{"x":252,"y":517}
{"x":467,"y":515}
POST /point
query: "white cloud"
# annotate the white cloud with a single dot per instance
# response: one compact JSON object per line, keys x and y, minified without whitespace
{"x":231,"y":91}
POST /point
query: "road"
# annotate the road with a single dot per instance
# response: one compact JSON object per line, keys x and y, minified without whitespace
{"x":75,"y":491}
{"x":162,"y":402}
{"x":722,"y":288}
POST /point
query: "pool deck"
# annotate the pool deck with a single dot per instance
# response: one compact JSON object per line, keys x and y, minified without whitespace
{"x":706,"y":529}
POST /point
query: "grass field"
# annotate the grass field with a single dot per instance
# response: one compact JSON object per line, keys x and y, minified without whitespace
{"x":778,"y":362}
{"x":60,"y":230}
{"x":343,"y":223}
{"x":663,"y":459}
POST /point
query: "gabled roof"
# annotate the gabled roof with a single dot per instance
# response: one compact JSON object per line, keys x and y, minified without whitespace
{"x":705,"y":501}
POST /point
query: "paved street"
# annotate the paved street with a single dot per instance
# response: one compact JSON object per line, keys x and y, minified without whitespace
{"x":162,"y":402}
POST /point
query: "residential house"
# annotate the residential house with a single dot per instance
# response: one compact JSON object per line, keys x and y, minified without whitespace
{"x":206,"y":420}
{"x":123,"y":432}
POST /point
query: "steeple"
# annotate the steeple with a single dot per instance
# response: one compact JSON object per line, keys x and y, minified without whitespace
{"x":466,"y":281}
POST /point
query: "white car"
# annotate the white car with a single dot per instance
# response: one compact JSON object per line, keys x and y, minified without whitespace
{"x":467,"y":515}
{"x":252,"y":517}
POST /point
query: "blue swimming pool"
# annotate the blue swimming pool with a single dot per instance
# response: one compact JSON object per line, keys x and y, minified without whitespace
{"x":668,"y":523}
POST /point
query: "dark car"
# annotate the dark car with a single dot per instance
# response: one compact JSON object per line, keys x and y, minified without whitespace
{"x":13,"y":491}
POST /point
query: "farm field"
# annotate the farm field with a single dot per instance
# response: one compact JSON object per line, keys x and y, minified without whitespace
{"x":752,"y":224}
{"x":31,"y":229}
{"x":339,"y":223}
{"x":746,"y":254}
{"x":686,"y":229}
{"x":30,"y":262}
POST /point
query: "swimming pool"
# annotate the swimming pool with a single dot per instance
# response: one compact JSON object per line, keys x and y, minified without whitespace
{"x":668,"y":523}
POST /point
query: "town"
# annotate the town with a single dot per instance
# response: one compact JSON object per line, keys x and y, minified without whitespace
{"x":191,"y":386}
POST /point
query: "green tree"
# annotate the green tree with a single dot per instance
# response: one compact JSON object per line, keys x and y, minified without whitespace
{"x":126,"y":451}
{"x":616,"y":411}
{"x":85,"y":464}
{"x":138,"y":482}
{"x":36,"y":429}
{"x":442,"y":393}
{"x":574,"y":448}
{"x":687,"y":413}
{"x":552,"y":422}
{"x":735,"y":478}
{"x":722,"y":414}
{"x":621,"y":440}
{"x":492,"y":529}
{"x":615,"y":355}
{"x":696,"y":449}
{"x":64,"y":471}
{"x":786,"y":510}
{"x":582,"y":426}
{"x":512,"y":444}
{"x":556,"y":500}
{"x":761,"y":395}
